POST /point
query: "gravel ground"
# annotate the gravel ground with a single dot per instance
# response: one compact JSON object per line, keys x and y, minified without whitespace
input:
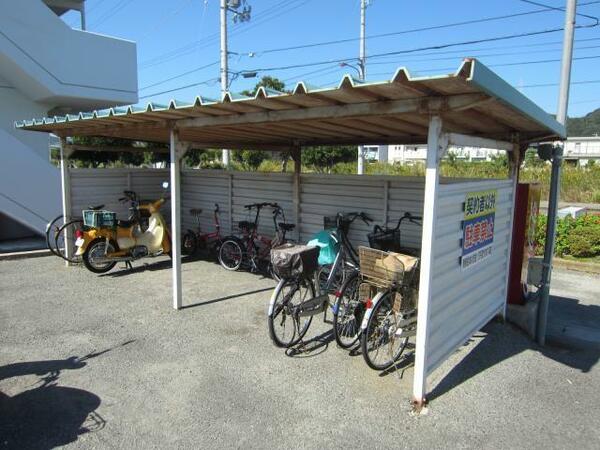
{"x":104,"y":362}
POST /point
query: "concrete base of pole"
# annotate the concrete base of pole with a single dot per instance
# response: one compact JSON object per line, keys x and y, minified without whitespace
{"x":524,"y":316}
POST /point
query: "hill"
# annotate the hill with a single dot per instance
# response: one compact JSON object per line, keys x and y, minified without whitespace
{"x":588,"y":125}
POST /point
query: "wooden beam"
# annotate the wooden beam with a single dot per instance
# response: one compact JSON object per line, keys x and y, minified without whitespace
{"x":464,"y":140}
{"x":94,"y":148}
{"x":337,"y":111}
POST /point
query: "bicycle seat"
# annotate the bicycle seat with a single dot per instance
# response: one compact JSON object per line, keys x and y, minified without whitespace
{"x":96,"y":208}
{"x":286,"y":226}
{"x":125,"y":223}
{"x":195,"y":211}
{"x":245,"y":225}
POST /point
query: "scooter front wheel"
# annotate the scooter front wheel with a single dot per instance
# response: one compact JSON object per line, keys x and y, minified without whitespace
{"x":95,"y":253}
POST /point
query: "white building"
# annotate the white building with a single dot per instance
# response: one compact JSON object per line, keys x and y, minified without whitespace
{"x":411,"y":154}
{"x":47,"y":69}
{"x":581,"y":150}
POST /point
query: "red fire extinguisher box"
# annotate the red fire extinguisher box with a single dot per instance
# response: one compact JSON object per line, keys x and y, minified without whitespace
{"x":527,"y":208}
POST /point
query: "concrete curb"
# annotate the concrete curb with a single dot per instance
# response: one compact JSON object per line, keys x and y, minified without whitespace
{"x":24,"y":255}
{"x":578,"y":266}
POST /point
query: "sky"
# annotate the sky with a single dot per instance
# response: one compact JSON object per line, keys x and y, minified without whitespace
{"x":178,"y":43}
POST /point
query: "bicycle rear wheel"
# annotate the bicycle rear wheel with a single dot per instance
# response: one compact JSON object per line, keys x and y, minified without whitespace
{"x":348,"y":312}
{"x":51,"y":233}
{"x":285,"y":328}
{"x":66,"y":233}
{"x":379,"y":344}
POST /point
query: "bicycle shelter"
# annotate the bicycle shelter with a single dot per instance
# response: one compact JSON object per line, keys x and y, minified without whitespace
{"x":467,"y":224}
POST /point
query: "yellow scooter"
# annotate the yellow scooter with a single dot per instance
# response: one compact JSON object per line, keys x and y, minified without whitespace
{"x":105,"y":241}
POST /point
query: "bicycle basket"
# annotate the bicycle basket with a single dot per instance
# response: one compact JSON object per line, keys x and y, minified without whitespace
{"x":294,"y":260}
{"x":99,"y":219}
{"x":382,"y":268}
{"x":385,"y":239}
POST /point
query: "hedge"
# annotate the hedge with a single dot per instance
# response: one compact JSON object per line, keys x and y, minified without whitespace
{"x":574,"y":237}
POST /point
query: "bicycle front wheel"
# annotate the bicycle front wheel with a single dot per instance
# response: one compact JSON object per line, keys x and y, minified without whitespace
{"x":66,"y":237}
{"x":348,"y":312}
{"x":286,"y":329}
{"x":379,"y":344}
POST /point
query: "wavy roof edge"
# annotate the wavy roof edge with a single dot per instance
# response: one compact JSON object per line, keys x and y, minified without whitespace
{"x":471,"y":70}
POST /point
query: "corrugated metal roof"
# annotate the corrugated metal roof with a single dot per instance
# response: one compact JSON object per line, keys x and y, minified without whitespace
{"x":473,"y":100}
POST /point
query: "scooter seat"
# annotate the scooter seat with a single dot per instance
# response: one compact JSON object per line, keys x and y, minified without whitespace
{"x":96,"y":208}
{"x":195,"y":212}
{"x":287,"y":226}
{"x":125,"y":223}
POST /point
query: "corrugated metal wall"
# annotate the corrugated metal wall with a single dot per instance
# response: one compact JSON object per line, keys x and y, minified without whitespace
{"x":382,"y":198}
{"x":463,"y":301}
{"x":90,"y":187}
{"x":379,"y":196}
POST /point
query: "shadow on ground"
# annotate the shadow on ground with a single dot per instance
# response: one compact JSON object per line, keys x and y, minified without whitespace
{"x":501,"y":342}
{"x":48,"y":415}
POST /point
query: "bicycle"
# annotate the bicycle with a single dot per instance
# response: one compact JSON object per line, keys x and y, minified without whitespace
{"x":302,"y":294}
{"x":351,"y":298}
{"x":391,"y":316}
{"x":195,"y":240}
{"x":252,"y":249}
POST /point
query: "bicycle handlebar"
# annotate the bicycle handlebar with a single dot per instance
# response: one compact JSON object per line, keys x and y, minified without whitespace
{"x":261,"y":205}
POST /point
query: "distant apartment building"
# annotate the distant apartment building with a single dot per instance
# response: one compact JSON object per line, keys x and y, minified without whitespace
{"x":48,"y":68}
{"x":581,"y":150}
{"x":412,"y":154}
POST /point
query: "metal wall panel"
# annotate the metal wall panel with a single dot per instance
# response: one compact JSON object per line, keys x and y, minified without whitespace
{"x":91,"y":187}
{"x":322,"y":195}
{"x":202,"y":189}
{"x":463,"y":301}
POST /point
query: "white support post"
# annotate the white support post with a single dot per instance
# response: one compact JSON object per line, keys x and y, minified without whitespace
{"x":436,"y":147}
{"x":65,"y":179}
{"x":230,"y":201}
{"x":296,"y":156}
{"x":176,"y":154}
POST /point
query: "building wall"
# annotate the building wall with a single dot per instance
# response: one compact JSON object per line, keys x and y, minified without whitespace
{"x":582,"y":149}
{"x":48,"y":68}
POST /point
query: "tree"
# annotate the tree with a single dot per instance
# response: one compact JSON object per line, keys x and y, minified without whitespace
{"x":322,"y":158}
{"x":267,"y":82}
{"x":532,"y":159}
{"x":96,"y":159}
{"x":203,"y":158}
{"x":588,"y":125}
{"x":250,"y":159}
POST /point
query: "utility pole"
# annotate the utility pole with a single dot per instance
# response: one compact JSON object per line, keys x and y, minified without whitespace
{"x":362,"y":72}
{"x":561,"y":116}
{"x":242,"y":16}
{"x":224,"y":68}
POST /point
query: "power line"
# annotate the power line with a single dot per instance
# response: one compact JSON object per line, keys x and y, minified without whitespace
{"x":214,"y":63}
{"x":416,"y":30}
{"x":213,"y":38}
{"x":407,"y":51}
{"x":111,"y":12}
{"x":209,"y":81}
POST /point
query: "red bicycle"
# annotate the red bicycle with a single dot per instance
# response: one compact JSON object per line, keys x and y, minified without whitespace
{"x":195,"y":241}
{"x":252,"y":250}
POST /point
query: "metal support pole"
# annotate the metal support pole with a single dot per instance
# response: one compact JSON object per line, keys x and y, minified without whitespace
{"x":65,"y":179}
{"x":435,"y":148}
{"x":224,"y":66}
{"x":296,"y":156}
{"x":561,"y":116}
{"x":361,"y":74}
{"x":82,"y":16}
{"x":176,"y":218}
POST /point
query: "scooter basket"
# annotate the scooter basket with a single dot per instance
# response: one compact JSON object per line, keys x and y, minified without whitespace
{"x":99,"y":219}
{"x":294,"y":260}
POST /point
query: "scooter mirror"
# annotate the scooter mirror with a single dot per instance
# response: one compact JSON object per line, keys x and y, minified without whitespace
{"x":165,"y":185}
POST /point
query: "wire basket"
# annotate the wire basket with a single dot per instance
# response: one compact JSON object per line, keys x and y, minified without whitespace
{"x":99,"y":219}
{"x":385,"y":239}
{"x":380,"y":268}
